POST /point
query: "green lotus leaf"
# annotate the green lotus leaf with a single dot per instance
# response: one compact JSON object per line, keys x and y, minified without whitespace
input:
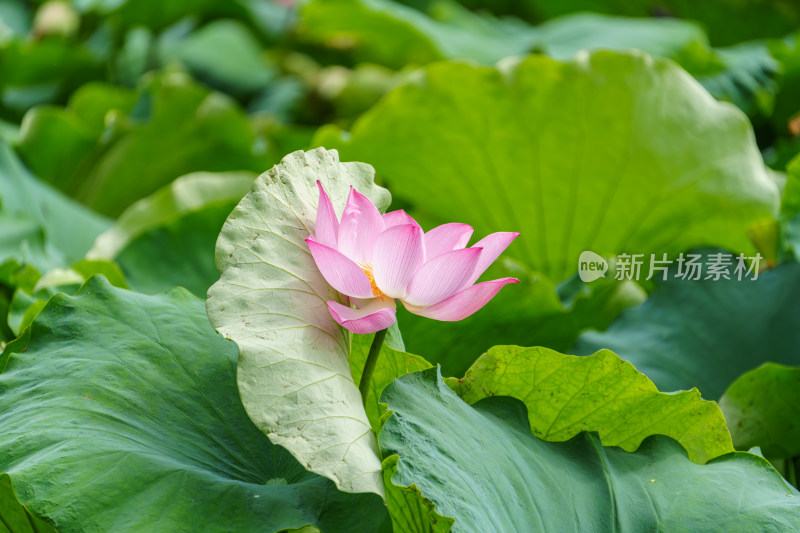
{"x":609,"y":153}
{"x":748,"y":77}
{"x":120,"y":413}
{"x":482,"y":466}
{"x":566,"y":395}
{"x":294,"y":363}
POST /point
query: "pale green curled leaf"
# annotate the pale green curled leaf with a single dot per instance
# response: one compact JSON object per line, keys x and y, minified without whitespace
{"x":294,"y":362}
{"x":391,"y":364}
{"x":482,"y":466}
{"x":707,"y":333}
{"x":763,"y":408}
{"x":121,"y":413}
{"x":167,"y":238}
{"x":566,"y":394}
{"x":609,"y":152}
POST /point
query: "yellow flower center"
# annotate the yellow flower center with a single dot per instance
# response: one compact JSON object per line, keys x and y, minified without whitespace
{"x":371,"y":277}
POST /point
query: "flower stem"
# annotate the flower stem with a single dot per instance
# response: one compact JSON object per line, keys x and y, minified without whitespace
{"x":369,"y":366}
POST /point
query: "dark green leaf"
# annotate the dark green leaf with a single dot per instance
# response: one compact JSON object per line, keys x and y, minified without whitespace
{"x":481,"y":465}
{"x":707,"y":333}
{"x":763,"y":408}
{"x":122,"y":414}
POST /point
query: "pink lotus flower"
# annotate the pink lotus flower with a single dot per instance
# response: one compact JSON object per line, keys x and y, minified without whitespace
{"x":376,"y":259}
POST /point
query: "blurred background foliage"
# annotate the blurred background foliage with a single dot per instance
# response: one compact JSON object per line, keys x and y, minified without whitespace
{"x":99,"y":74}
{"x":130,"y":128}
